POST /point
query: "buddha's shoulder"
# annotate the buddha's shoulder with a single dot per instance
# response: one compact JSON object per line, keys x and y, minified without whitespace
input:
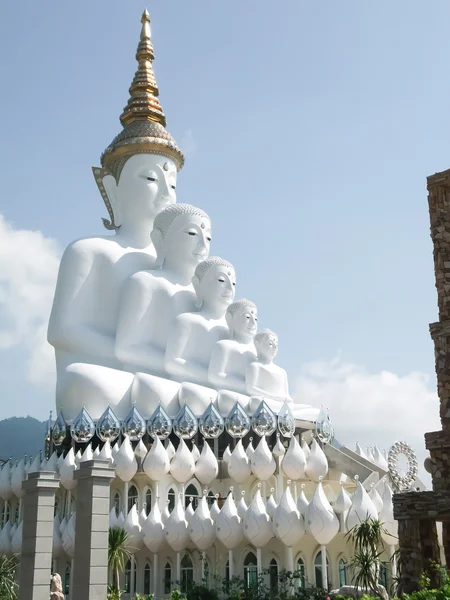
{"x":92,"y":245}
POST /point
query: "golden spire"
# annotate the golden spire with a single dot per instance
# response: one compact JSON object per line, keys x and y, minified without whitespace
{"x":143,"y":120}
{"x":143,"y":103}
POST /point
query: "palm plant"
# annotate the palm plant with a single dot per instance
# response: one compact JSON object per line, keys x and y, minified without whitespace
{"x":8,"y":584}
{"x":366,"y":538}
{"x":118,"y":553}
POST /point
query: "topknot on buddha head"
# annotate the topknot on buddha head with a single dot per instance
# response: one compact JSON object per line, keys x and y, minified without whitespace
{"x":211,"y":262}
{"x":181,"y":233}
{"x":214,"y":282}
{"x":242,"y":318}
{"x":166,"y":217}
{"x":266,"y":342}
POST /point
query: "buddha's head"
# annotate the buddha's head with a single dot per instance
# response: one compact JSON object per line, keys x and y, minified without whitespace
{"x":182,"y":236}
{"x":214,"y":282}
{"x":242,"y":319}
{"x":144,"y":186}
{"x":266,"y":343}
{"x":139,"y":168}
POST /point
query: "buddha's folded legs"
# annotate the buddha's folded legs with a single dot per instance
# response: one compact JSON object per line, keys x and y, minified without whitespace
{"x":148,"y":391}
{"x":94,"y":387}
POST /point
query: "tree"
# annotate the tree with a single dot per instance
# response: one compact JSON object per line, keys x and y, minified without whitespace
{"x":367,"y":541}
{"x":8,"y":584}
{"x":118,"y":552}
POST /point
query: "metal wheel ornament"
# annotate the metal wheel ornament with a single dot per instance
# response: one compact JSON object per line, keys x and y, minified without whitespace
{"x":402,"y":481}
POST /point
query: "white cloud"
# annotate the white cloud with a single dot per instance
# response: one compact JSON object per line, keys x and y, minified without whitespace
{"x":372,"y":408}
{"x":28,"y":270}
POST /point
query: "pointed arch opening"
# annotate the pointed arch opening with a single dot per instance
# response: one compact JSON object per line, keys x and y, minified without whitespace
{"x":167,"y":578}
{"x":250,"y":570}
{"x":187,"y":574}
{"x":300,"y":572}
{"x":133,"y":497}
{"x":273,"y":574}
{"x":147,"y":579}
{"x":318,"y":570}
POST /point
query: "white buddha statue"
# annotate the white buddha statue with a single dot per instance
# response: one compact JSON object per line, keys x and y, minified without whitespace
{"x":231,"y":357}
{"x":151,"y":300}
{"x":264,"y":379}
{"x":137,"y":180}
{"x":194,"y":334}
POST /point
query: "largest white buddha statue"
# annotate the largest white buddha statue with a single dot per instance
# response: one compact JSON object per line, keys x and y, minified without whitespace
{"x":137,"y":180}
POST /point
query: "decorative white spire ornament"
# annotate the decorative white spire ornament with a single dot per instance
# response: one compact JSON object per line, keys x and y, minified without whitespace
{"x":156,"y":464}
{"x":206,"y":467}
{"x":153,"y":530}
{"x":376,"y":498}
{"x":257,"y":523}
{"x":177,"y":532}
{"x":182,"y":466}
{"x":126,"y":464}
{"x":362,"y":507}
{"x":316,"y":463}
{"x":321,"y":520}
{"x":67,"y":468}
{"x":229,"y":526}
{"x":202,"y":530}
{"x":271,"y":504}
{"x":263,"y":463}
{"x":302,"y":502}
{"x":294,"y":461}
{"x":288,"y":524}
{"x":238,"y":464}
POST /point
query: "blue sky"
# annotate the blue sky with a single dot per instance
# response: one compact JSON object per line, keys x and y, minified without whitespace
{"x":309,"y":129}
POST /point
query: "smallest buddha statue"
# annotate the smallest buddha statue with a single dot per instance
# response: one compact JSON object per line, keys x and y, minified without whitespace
{"x":264,"y":379}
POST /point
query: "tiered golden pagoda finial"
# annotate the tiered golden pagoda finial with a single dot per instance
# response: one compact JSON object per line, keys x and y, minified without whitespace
{"x":143,"y":103}
{"x":143,"y":119}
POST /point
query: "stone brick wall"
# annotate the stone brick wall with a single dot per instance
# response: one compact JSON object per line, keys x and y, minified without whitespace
{"x":438,"y":443}
{"x":439,"y":208}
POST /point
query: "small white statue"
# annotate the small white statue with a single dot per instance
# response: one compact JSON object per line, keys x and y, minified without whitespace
{"x":264,"y":379}
{"x":151,"y":300}
{"x":231,"y":357}
{"x":194,"y":334}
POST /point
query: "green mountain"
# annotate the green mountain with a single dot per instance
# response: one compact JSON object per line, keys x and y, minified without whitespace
{"x":21,"y":435}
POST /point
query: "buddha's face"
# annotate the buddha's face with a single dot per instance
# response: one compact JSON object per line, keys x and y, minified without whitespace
{"x":146,"y":185}
{"x":245,"y":321}
{"x":187,"y":240}
{"x":217,"y":287}
{"x":267,"y":347}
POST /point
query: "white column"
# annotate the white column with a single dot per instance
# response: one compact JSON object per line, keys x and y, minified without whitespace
{"x":179,"y":567}
{"x":132,"y":576}
{"x":323,"y":552}
{"x":230,"y":563}
{"x":259,"y":561}
{"x":155,"y":575}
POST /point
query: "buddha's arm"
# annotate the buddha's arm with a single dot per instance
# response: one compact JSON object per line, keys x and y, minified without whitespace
{"x":174,"y":361}
{"x":251,"y":380}
{"x":217,"y":371}
{"x":131,"y":347}
{"x":217,"y":366}
{"x":66,"y":330}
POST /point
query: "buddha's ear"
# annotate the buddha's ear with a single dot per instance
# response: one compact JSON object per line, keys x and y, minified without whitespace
{"x":108,"y":190}
{"x":157,"y":240}
{"x":196,"y":284}
{"x":110,"y":185}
